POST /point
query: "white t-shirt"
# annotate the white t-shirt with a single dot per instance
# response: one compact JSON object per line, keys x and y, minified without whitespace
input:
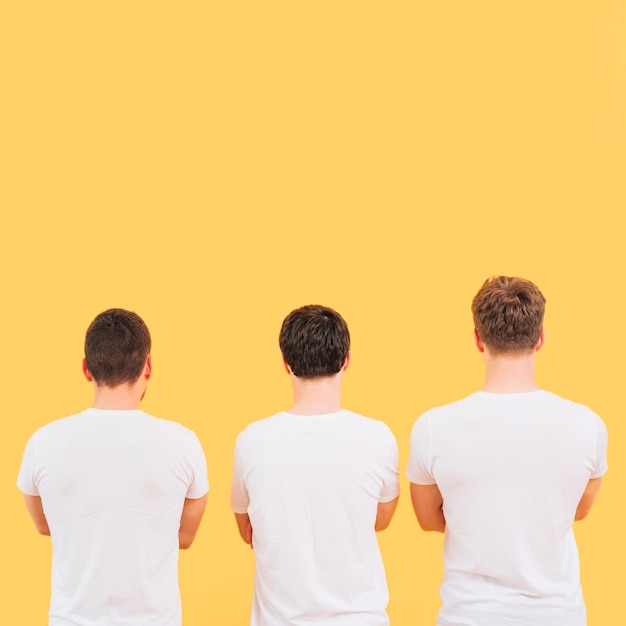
{"x":511,"y":469}
{"x":113,"y":485}
{"x":311,"y":486}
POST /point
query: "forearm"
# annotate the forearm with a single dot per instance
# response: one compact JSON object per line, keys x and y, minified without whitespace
{"x":588,"y":498}
{"x":428,"y":506}
{"x":384,"y":514}
{"x":35,"y":508}
{"x":245,"y":527}
{"x":436,"y":522}
{"x":193,"y":510}
{"x":43,"y":528}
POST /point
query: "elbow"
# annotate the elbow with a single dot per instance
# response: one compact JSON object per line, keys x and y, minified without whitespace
{"x":434,"y":529}
{"x":382,"y":524}
{"x":185,"y":541}
{"x":438,"y":526}
{"x":581,"y":514}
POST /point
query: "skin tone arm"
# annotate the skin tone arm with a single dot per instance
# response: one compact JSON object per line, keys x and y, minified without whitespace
{"x":189,"y":521}
{"x":193,"y":509}
{"x":588,"y":498}
{"x":428,"y":504}
{"x":245,"y":527}
{"x":384,"y":513}
{"x":428,"y":507}
{"x":35,"y":508}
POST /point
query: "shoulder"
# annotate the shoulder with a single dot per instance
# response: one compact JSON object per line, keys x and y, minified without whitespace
{"x":57,"y":427}
{"x":366,"y":422}
{"x":368,"y":427}
{"x":346,"y":423}
{"x":446,"y":417}
{"x":260,"y":428}
{"x":457,"y":407}
{"x":570,"y":407}
{"x":171,"y":428}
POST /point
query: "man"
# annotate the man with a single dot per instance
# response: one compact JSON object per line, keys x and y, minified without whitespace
{"x":312,"y":485}
{"x":504,"y":473}
{"x":119,"y":491}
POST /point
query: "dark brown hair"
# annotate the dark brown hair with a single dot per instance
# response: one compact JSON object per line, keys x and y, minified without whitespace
{"x":117,"y":345}
{"x":508,"y":314}
{"x":315,"y":341}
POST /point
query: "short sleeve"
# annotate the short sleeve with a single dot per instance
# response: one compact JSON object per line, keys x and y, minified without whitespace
{"x":391,"y":485}
{"x":419,"y":468}
{"x":200,"y":483}
{"x":239,"y":498}
{"x":27,"y":476}
{"x":601,"y":465}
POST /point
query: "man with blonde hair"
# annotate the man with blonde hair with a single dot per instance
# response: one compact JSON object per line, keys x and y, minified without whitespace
{"x":504,"y":473}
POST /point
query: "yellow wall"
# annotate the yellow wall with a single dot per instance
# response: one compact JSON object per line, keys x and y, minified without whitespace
{"x":213,"y":165}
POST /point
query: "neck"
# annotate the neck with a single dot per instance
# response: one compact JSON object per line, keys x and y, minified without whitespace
{"x":121,"y":398}
{"x":510,"y":373}
{"x":316,"y":396}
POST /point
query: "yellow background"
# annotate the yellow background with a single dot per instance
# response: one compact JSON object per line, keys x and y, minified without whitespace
{"x":213,"y":165}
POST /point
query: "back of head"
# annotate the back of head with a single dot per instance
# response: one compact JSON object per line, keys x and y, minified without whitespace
{"x":314,"y":341}
{"x":117,"y":345}
{"x":508,"y":314}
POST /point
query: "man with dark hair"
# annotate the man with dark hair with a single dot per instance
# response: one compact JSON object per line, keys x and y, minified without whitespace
{"x":504,"y":473}
{"x":312,"y":485}
{"x":118,"y":491}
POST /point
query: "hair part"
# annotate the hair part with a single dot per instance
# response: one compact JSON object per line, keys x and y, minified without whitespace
{"x":508,"y":314}
{"x":117,"y":345}
{"x":314,"y":341}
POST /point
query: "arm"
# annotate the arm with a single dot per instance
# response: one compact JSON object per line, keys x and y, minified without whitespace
{"x":193,"y":509}
{"x":428,"y":506}
{"x":35,"y":508}
{"x":588,"y":498}
{"x":384,"y":513}
{"x":245,"y":527}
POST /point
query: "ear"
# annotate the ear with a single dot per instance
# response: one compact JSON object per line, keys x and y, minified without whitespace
{"x":147,"y":371}
{"x":286,"y":366}
{"x":346,"y":363}
{"x":86,"y":372}
{"x":542,"y":338}
{"x":478,"y":341}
